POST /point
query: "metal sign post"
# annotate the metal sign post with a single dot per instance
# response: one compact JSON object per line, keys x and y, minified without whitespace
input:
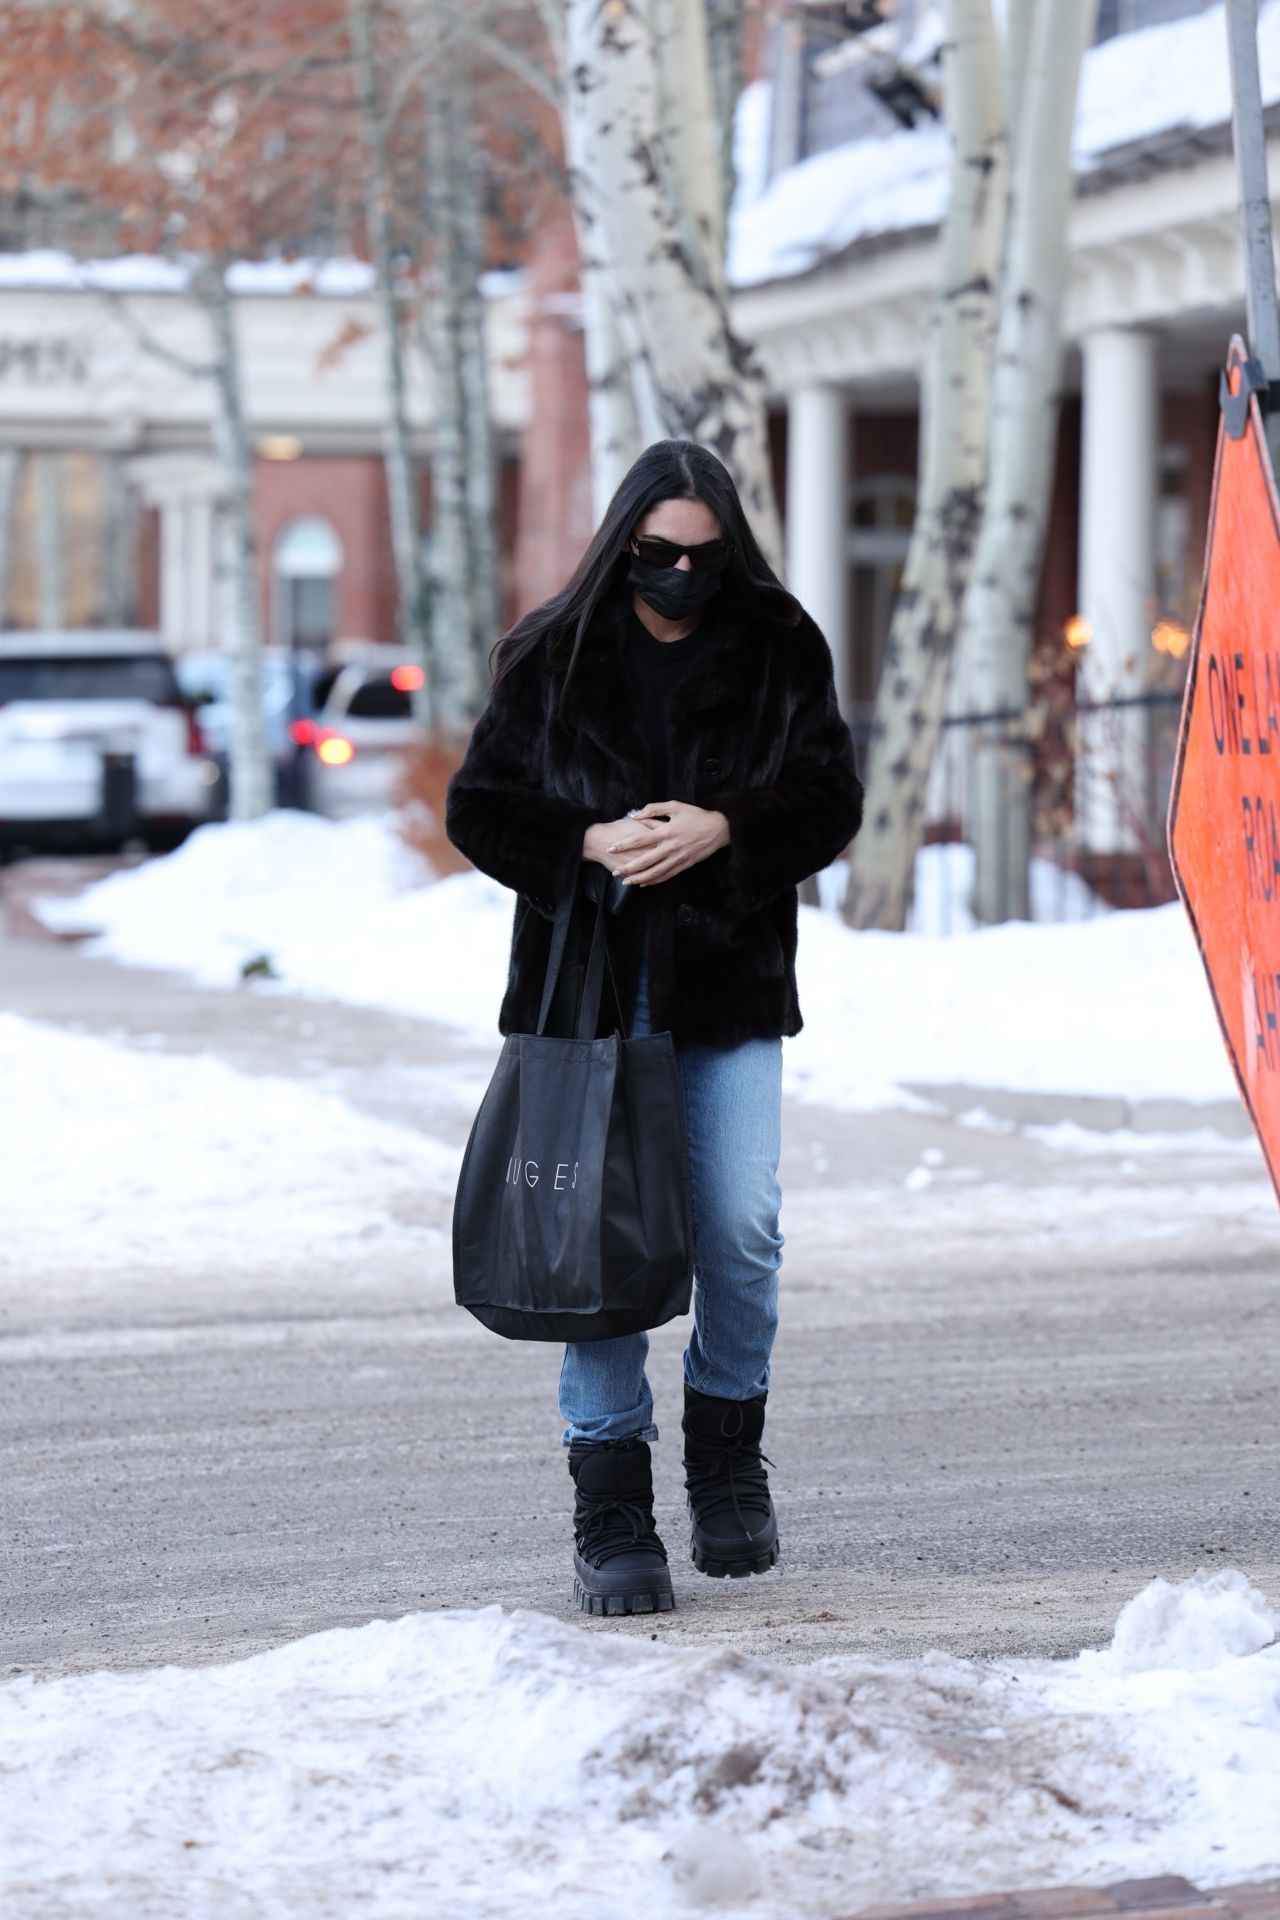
{"x":1249,"y":139}
{"x":1224,"y":815}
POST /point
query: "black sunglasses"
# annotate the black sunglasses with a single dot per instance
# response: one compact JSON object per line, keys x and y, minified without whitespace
{"x":710,"y":557}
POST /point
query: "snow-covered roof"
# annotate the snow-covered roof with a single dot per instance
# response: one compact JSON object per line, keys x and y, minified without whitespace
{"x":46,"y":268}
{"x":1138,"y":89}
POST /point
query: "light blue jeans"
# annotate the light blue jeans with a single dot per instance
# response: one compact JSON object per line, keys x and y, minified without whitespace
{"x":733,"y":1103}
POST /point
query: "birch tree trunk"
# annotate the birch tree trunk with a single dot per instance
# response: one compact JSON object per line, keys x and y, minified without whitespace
{"x":724,"y":46}
{"x":618,"y":391}
{"x":448,"y":320}
{"x":612,"y":416}
{"x":998,"y":623}
{"x":645,"y":178}
{"x":956,"y":383}
{"x":251,"y":777}
{"x":397,"y":452}
{"x":1018,"y":15}
{"x":480,"y":455}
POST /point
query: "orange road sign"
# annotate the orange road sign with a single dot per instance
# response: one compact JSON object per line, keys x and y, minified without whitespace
{"x":1224,"y":814}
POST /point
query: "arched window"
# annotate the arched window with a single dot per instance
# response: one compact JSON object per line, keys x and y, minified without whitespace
{"x":306,"y":565}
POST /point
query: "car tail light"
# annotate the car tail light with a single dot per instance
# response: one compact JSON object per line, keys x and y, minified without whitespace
{"x":303,"y":733}
{"x":196,"y":743}
{"x":407,"y":679}
{"x":334,"y":748}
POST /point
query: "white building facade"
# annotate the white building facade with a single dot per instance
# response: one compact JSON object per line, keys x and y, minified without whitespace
{"x":108,"y":481}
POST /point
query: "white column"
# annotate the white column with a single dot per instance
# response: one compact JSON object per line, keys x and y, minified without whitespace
{"x":1119,"y":472}
{"x":173,"y":572}
{"x":186,"y":571}
{"x":115,"y":548}
{"x":50,"y":541}
{"x":818,"y":516}
{"x":199,"y":631}
{"x":183,"y":487}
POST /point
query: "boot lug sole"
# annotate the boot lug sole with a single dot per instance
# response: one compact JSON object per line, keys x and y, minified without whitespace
{"x":618,"y":1605}
{"x":739,"y":1569}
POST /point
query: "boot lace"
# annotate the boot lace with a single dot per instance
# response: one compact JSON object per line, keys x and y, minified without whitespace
{"x":728,"y":1475}
{"x":607,"y":1526}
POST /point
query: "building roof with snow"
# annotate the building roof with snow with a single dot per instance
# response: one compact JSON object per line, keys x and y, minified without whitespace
{"x":1150,"y":100}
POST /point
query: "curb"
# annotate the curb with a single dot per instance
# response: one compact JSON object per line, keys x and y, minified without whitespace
{"x":1167,"y":1896}
{"x":1098,"y":1114}
{"x":35,"y":877}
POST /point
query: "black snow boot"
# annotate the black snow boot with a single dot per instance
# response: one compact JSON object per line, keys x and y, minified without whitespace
{"x":735,"y":1529}
{"x":619,"y":1563}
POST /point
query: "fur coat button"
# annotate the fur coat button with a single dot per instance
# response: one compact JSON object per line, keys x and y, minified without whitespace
{"x":686,"y":915}
{"x":711,"y":766}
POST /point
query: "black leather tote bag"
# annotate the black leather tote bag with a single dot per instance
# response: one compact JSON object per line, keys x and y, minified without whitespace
{"x":572,"y":1216}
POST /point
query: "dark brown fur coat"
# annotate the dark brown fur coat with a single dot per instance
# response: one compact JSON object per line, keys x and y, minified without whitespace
{"x":755,"y":733}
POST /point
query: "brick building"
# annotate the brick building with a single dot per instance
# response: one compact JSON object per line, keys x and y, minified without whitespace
{"x":108,"y":481}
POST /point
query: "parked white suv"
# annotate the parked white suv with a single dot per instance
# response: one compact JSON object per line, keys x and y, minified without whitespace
{"x":359,"y":739}
{"x":97,"y":743}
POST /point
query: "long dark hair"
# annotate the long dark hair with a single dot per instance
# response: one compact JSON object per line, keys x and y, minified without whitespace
{"x":668,"y":470}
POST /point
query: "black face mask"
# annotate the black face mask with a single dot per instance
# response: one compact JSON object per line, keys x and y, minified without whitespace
{"x":673,"y":592}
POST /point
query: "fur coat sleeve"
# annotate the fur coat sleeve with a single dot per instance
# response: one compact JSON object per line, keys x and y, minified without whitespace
{"x":498,"y":810}
{"x":799,"y":823}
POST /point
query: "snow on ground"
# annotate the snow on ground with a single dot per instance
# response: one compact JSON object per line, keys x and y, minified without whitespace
{"x":1167,"y":79}
{"x":1115,"y":1005}
{"x":488,"y":1765}
{"x":339,"y":908}
{"x":1068,"y":1136}
{"x":115,"y":1157}
{"x":943,"y":889}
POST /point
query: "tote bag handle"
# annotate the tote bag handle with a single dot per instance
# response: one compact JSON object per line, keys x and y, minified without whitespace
{"x":598,"y":958}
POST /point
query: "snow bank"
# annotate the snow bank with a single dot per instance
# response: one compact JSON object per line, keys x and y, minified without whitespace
{"x":487,"y":1765}
{"x":115,"y":1157}
{"x":943,"y":890}
{"x":1115,"y":1005}
{"x":1167,"y":79}
{"x":339,"y":909}
{"x":1191,"y":1627}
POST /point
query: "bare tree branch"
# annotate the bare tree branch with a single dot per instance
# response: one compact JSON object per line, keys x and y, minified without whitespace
{"x":535,"y":77}
{"x":118,"y":305}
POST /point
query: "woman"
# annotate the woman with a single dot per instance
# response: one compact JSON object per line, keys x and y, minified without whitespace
{"x":671,"y":715}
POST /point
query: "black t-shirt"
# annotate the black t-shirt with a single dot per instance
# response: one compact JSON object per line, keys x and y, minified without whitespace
{"x":655,"y":668}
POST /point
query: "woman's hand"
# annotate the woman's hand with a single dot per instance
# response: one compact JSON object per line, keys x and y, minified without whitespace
{"x":660,"y":840}
{"x":603,"y":836}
